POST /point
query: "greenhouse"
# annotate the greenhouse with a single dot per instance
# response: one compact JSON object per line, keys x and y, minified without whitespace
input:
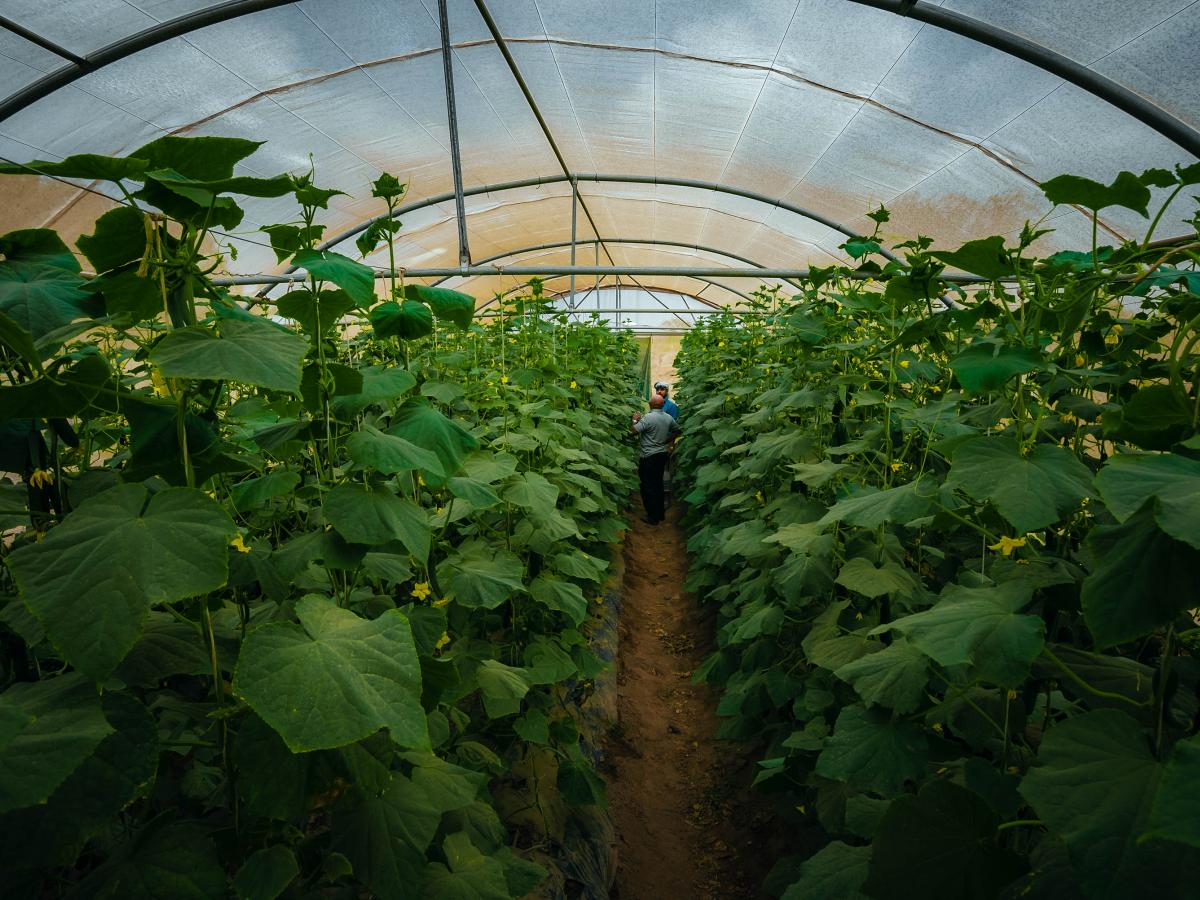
{"x":652,"y":449}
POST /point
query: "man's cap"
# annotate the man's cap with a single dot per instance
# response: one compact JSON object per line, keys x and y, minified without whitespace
{"x":661,"y":384}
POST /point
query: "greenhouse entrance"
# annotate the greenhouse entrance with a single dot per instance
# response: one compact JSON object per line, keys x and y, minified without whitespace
{"x":325,"y":330}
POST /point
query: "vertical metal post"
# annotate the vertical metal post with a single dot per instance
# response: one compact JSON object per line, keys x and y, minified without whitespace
{"x":464,"y":250}
{"x":574,"y":224}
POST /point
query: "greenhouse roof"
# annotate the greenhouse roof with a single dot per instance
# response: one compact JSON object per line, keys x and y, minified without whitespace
{"x":707,"y":135}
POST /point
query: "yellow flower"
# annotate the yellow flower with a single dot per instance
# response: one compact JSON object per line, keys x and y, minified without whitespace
{"x":904,"y":363}
{"x":573,"y":385}
{"x":41,"y":478}
{"x":720,"y":343}
{"x":239,"y":545}
{"x":421,"y":590}
{"x":758,"y":495}
{"x":420,"y":479}
{"x":858,"y":617}
{"x":1079,"y":360}
{"x":1012,"y":695}
{"x":442,"y":641}
{"x":504,"y":379}
{"x":1007,"y":545}
{"x":937,"y":726}
{"x":1067,"y":417}
{"x":896,"y":467}
{"x":445,"y":601}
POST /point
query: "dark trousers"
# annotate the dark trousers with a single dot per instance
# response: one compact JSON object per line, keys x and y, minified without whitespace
{"x":650,"y":473}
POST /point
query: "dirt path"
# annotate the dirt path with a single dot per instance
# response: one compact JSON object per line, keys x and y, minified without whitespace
{"x":686,"y":829}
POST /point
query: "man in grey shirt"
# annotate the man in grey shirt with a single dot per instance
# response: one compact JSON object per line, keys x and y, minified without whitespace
{"x":656,"y":431}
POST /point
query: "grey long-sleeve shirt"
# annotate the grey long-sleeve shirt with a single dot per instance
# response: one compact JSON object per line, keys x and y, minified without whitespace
{"x":654,"y":430}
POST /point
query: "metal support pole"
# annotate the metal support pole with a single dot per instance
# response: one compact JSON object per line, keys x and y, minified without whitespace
{"x":460,"y":207}
{"x":574,"y":223}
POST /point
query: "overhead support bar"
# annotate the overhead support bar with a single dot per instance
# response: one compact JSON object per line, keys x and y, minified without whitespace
{"x":1044,"y":58}
{"x":602,"y":178}
{"x":45,"y":43}
{"x":654,"y":242}
{"x":464,"y":250}
{"x":602,"y":271}
{"x":118,"y":50}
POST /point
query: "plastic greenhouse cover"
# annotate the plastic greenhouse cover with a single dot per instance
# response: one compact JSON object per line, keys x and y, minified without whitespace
{"x":826,"y":104}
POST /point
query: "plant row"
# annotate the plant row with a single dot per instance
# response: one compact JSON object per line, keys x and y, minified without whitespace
{"x":290,"y":586}
{"x":954,"y":542}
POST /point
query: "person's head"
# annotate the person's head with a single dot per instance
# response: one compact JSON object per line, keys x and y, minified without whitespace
{"x":662,"y":388}
{"x":656,"y":401}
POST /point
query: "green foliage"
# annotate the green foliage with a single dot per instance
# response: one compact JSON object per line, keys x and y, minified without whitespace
{"x":952,"y":555}
{"x":276,"y":585}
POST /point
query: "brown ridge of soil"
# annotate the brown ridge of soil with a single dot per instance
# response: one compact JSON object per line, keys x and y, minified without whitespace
{"x":687,"y":826}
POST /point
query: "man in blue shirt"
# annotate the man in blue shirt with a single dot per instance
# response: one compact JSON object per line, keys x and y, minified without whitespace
{"x":670,"y":407}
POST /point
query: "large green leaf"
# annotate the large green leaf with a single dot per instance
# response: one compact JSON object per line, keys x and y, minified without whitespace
{"x":986,"y":257}
{"x":531,"y":491}
{"x":981,"y":627}
{"x":870,"y":752}
{"x":42,"y":299}
{"x":334,"y":678}
{"x":254,"y":492}
{"x":266,"y":873}
{"x":246,"y":352}
{"x":317,"y":313}
{"x":352,"y":277}
{"x":1031,"y":491}
{"x":564,"y":596}
{"x":379,"y":386}
{"x":63,"y":393}
{"x":47,"y":730}
{"x":123,"y":764}
{"x":1093,"y":786}
{"x":164,"y":861}
{"x":863,"y":577}
{"x":1129,"y":480}
{"x":467,"y":875}
{"x":420,"y":423}
{"x":870,"y":510}
{"x":389,"y":454}
{"x":459,"y":308}
{"x":90,"y":166}
{"x":1141,"y":579}
{"x":408,"y":321}
{"x":987,"y":367}
{"x":385,"y":836}
{"x":894,"y":677}
{"x":119,"y":237}
{"x":1127,"y":190}
{"x":1173,"y":816}
{"x":836,"y":872}
{"x":502,"y":687}
{"x":377,"y":516}
{"x":941,"y":844}
{"x":204,"y":158}
{"x":39,"y":245}
{"x":92,"y":580}
{"x":478,"y":575}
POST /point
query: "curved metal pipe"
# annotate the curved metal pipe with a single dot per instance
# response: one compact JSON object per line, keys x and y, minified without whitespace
{"x":1048,"y":60}
{"x":135,"y":43}
{"x":555,"y":245}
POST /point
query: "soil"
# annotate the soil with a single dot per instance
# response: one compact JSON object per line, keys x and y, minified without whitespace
{"x":687,"y":825}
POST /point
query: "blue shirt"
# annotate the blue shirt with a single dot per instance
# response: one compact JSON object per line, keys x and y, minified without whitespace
{"x":671,"y":408}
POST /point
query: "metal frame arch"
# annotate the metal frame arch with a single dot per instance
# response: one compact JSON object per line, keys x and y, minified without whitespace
{"x":127,"y":46}
{"x":715,"y":307}
{"x":654,"y":242}
{"x":1142,"y":109}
